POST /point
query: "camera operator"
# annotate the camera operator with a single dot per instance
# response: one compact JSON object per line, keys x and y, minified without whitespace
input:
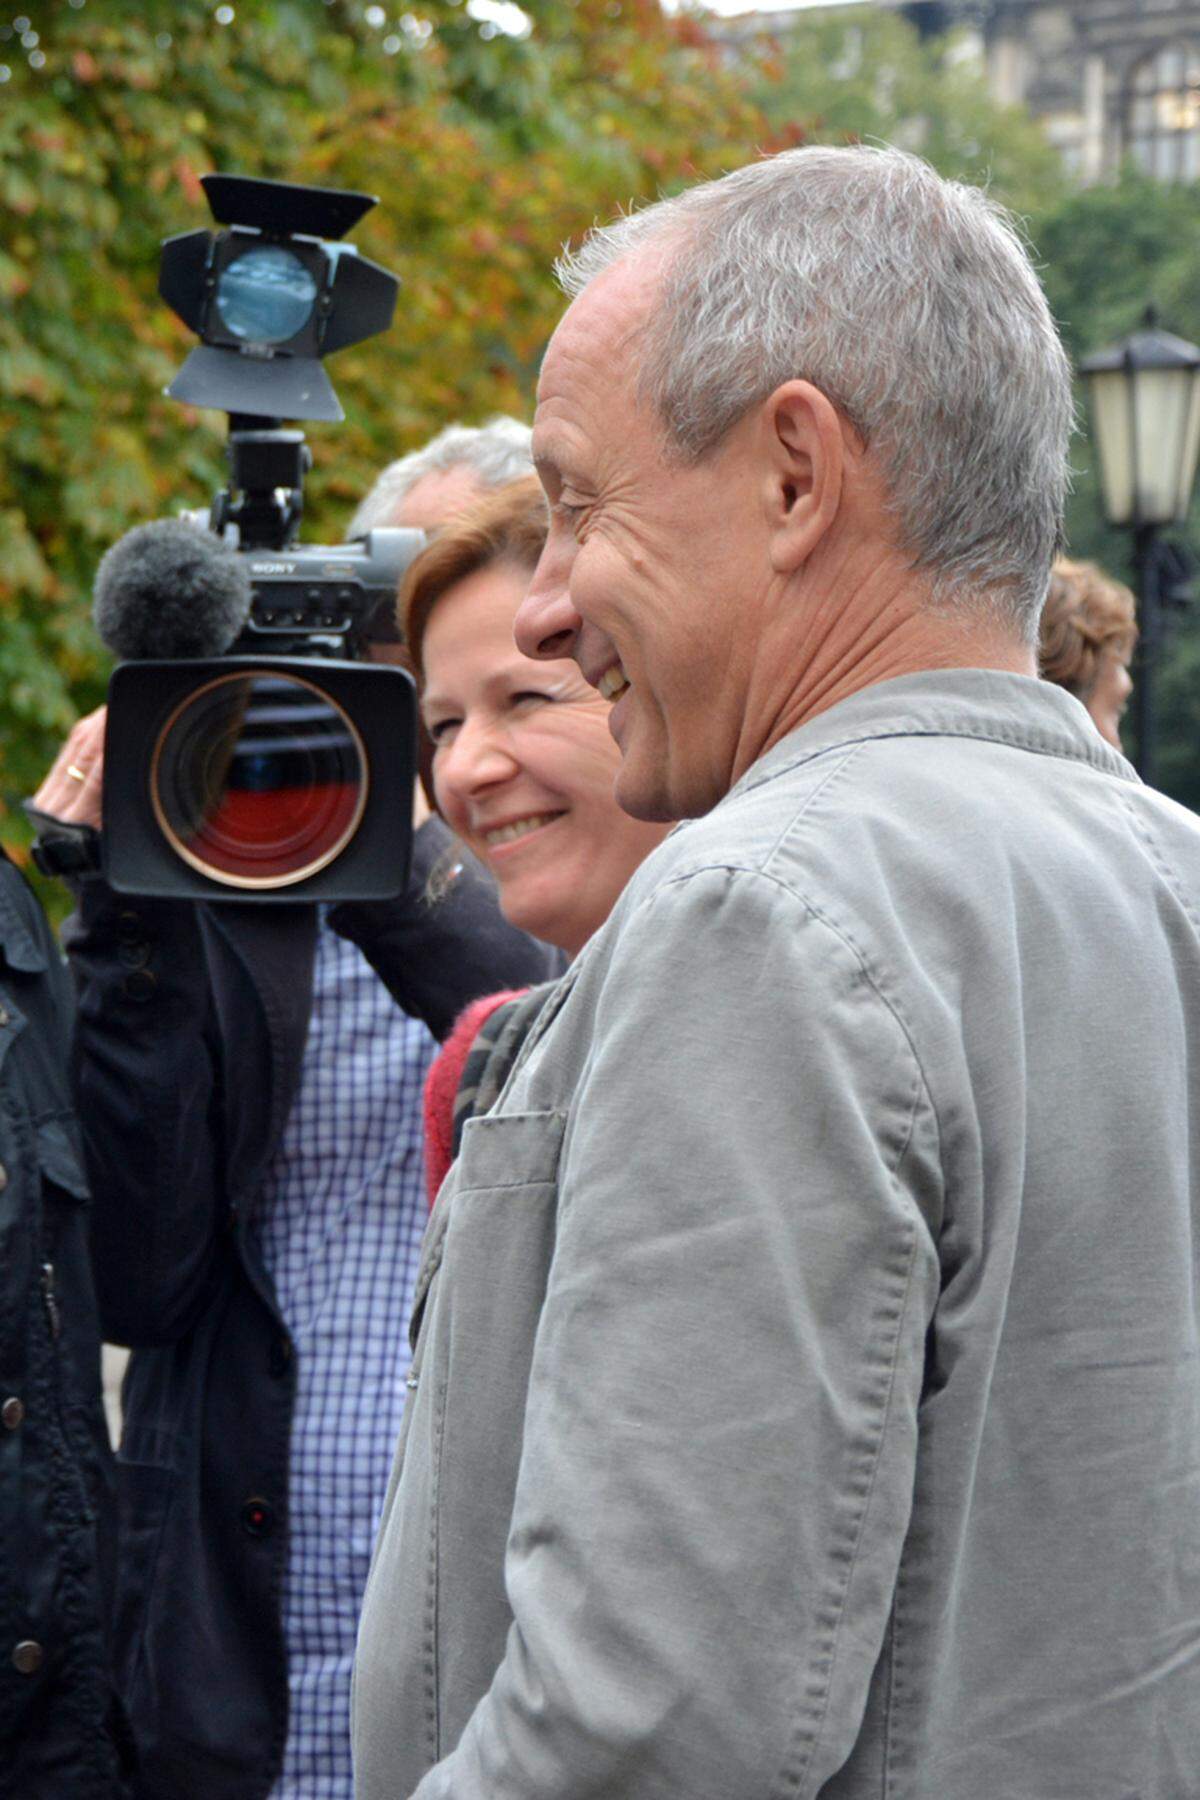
{"x":252,"y":1103}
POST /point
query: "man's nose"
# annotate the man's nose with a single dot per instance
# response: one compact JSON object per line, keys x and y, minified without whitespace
{"x":547,"y":624}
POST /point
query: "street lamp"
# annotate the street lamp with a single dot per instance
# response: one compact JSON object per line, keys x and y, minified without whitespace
{"x":1144,"y":398}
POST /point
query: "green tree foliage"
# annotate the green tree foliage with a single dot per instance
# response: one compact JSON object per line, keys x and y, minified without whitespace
{"x":488,"y":151}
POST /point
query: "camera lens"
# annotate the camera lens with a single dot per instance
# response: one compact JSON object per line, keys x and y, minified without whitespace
{"x":265,"y":296}
{"x":258,"y":780}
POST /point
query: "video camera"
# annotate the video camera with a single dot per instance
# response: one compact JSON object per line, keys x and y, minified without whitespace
{"x":251,"y":751}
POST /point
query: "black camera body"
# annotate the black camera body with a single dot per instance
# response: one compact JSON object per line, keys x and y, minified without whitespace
{"x":339,"y":598}
{"x":314,"y":774}
{"x":308,"y":594}
{"x":253,"y":752}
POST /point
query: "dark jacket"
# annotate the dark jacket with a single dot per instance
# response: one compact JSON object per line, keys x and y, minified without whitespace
{"x":192,"y":1023}
{"x":56,"y":1696}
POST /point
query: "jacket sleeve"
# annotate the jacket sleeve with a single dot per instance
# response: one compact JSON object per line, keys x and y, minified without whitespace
{"x":146,"y":1074}
{"x":718,"y":1458}
{"x":445,"y":942}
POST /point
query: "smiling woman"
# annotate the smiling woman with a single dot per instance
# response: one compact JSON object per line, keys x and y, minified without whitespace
{"x":524,"y":762}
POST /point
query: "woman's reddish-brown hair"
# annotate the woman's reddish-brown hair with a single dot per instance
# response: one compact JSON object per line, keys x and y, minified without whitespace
{"x":1086,"y":614}
{"x":508,"y":526}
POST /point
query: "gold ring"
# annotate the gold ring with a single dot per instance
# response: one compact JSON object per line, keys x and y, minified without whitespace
{"x":75,"y":774}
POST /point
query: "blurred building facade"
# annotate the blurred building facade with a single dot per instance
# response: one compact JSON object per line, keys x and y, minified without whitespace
{"x":1109,"y":80}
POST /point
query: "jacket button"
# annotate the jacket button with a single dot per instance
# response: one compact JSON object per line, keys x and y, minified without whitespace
{"x":129,"y":926}
{"x":280,"y":1359}
{"x":12,"y":1412}
{"x":27,"y":1657}
{"x":131,"y":954}
{"x":139,"y":984}
{"x":258,"y":1517}
{"x":3,"y":1015}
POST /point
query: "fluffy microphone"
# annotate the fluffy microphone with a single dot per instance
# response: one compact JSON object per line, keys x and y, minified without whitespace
{"x":170,"y":589}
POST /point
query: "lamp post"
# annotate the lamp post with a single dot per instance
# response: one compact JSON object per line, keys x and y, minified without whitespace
{"x":1144,"y":398}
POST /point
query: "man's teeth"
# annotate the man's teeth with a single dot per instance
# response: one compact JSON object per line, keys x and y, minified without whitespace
{"x":504,"y":834}
{"x":612,"y":683}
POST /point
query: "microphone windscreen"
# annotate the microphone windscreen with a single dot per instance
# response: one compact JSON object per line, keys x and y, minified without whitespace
{"x":170,"y":589}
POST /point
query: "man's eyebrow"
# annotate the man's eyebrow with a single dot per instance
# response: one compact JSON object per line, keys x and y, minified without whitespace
{"x":548,"y":469}
{"x":556,"y":461}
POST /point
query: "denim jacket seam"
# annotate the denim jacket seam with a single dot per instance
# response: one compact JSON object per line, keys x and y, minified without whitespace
{"x":790,"y":1779}
{"x":433,"y":1727}
{"x":1141,"y":830}
{"x":897,"y":1688}
{"x":870,"y":974}
{"x":848,"y":754}
{"x":792,"y":1775}
{"x":989,"y":734}
{"x":431,"y":1262}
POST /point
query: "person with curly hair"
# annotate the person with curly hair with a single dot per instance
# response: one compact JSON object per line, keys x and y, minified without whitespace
{"x":1086,"y":640}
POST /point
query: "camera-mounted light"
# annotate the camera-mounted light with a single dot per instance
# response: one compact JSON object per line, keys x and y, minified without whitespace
{"x":252,"y":753}
{"x":270,"y":294}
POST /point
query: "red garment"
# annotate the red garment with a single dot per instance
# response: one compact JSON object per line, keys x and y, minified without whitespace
{"x":442,"y":1084}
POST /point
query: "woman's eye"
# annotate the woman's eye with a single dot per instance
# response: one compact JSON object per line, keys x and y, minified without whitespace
{"x":529,"y":698}
{"x":440,"y":730}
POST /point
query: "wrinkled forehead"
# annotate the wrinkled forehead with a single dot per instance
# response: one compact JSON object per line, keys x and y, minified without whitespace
{"x":588,"y":383}
{"x":597,"y":336}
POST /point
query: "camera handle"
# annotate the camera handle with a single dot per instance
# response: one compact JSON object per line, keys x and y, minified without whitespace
{"x":265,"y":496}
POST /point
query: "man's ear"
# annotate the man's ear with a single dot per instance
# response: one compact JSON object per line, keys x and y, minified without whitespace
{"x":806,"y":456}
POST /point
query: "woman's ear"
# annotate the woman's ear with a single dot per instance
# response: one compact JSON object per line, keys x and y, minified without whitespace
{"x":806,"y":459}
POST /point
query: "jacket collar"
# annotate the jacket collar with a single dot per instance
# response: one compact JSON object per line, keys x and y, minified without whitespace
{"x":986,"y":704}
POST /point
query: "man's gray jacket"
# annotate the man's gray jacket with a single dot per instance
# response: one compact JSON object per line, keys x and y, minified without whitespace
{"x":808,"y":1399}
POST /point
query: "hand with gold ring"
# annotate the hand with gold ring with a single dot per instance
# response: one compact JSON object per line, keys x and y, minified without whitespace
{"x":73,"y":788}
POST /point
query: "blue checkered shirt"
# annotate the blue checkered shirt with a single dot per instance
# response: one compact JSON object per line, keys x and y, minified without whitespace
{"x":340,"y":1221}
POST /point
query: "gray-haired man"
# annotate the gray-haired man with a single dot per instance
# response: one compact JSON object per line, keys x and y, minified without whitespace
{"x":808,"y":1397}
{"x":424,"y":488}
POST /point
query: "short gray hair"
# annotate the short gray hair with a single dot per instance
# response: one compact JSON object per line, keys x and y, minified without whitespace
{"x":494,"y":453}
{"x":911,"y":302}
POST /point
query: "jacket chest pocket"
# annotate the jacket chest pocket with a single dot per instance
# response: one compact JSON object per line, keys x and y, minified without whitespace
{"x":495,"y":1261}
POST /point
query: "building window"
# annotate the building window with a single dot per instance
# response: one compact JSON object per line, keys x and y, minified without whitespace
{"x":1164,"y":113}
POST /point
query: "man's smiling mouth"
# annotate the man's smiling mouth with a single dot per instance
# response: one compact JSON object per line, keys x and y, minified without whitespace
{"x":613,"y":683}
